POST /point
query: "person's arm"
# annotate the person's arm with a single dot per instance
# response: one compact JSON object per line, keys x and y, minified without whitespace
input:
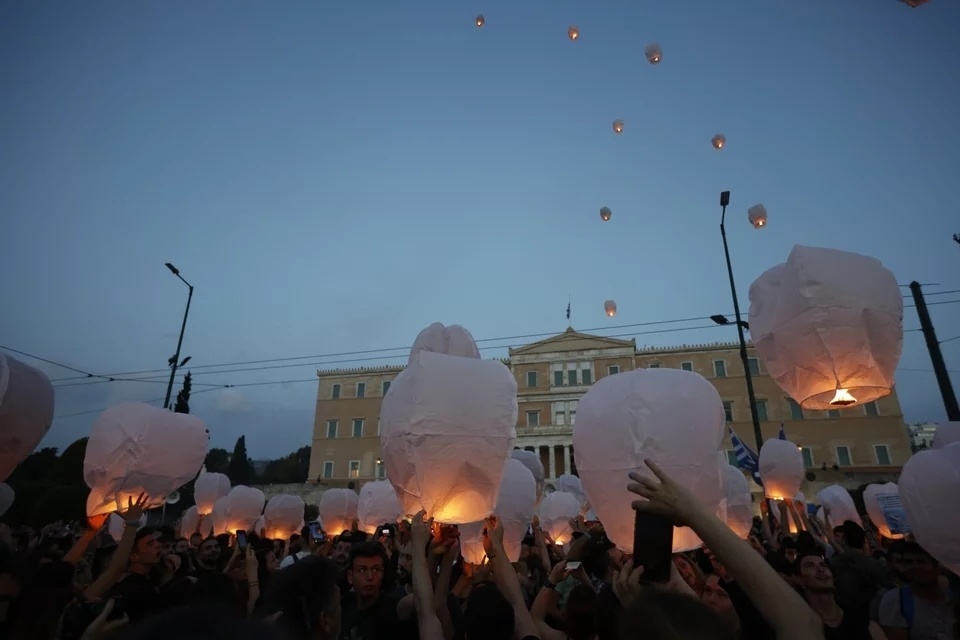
{"x":427,"y":621}
{"x":441,"y":591}
{"x":506,"y":578}
{"x":118,"y":564}
{"x":80,"y":547}
{"x":253,"y":584}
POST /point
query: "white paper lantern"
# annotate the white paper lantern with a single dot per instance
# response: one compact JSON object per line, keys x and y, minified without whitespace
{"x":929,"y":486}
{"x":573,"y":33}
{"x":757,"y":215}
{"x":571,"y":484}
{"x":208,"y":488}
{"x":283,"y":516}
{"x":338,"y":510}
{"x":838,"y":504}
{"x":872,"y":496}
{"x":719,"y":141}
{"x":219,"y":517}
{"x":137,"y":448}
{"x":739,"y":500}
{"x":828,"y":326}
{"x":190,"y":523}
{"x":26,"y":411}
{"x":453,"y":341}
{"x":377,"y":506}
{"x":244,"y":506}
{"x":653,"y":53}
{"x":610,"y":308}
{"x":946,"y":433}
{"x":534,"y":464}
{"x":556,"y":512}
{"x":516,"y":506}
{"x":781,"y":469}
{"x":7,"y":498}
{"x":480,"y":20}
{"x":115,"y":525}
{"x":446,"y":429}
{"x":670,"y":416}
{"x":618,"y":126}
{"x":605,"y":214}
{"x":471,"y":542}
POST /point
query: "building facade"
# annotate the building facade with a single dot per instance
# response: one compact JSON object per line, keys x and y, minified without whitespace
{"x":867,"y":443}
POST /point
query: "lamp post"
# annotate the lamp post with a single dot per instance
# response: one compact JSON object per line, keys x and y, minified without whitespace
{"x":741,"y":324}
{"x":175,"y":360}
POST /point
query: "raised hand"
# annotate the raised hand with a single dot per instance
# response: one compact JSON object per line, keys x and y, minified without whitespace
{"x":134,"y":510}
{"x":665,"y":498}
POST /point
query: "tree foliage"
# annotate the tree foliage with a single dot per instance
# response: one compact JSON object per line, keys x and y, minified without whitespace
{"x":183,"y":397}
{"x":290,"y":469}
{"x":240,"y":469}
{"x":217,"y":461}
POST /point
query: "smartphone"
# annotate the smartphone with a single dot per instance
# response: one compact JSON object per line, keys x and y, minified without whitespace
{"x":572,"y":566}
{"x":653,"y":546}
{"x":316,"y":532}
{"x":242,"y":540}
{"x":386,"y":532}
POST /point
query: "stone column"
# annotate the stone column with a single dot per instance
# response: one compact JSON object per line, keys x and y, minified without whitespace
{"x":553,"y":462}
{"x":566,"y":459}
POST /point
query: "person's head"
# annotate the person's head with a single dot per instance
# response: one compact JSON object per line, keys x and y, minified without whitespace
{"x":341,"y":551}
{"x":718,"y":600}
{"x":853,"y":536}
{"x":405,"y":564}
{"x":660,"y":614}
{"x":813,"y":575}
{"x":146,"y":552}
{"x":307,"y":597}
{"x":789,"y":549}
{"x":208,"y":554}
{"x":895,"y":557}
{"x":182,"y":545}
{"x":919,"y":568}
{"x":195,"y":539}
{"x":690,"y":572}
{"x":488,"y":615}
{"x":580,"y":612}
{"x":366,"y":567}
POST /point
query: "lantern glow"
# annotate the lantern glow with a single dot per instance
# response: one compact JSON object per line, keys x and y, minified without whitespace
{"x":338,"y":509}
{"x":838,"y":504}
{"x":377,"y":506}
{"x":843,"y":399}
{"x":243,"y":508}
{"x":480,"y":21}
{"x":653,"y":53}
{"x":283,"y":517}
{"x":605,"y":214}
{"x":739,"y":502}
{"x":26,"y":411}
{"x":207,"y":489}
{"x":573,"y":33}
{"x":610,"y":308}
{"x":929,"y":483}
{"x":618,"y":126}
{"x":556,"y":511}
{"x":719,"y":141}
{"x":781,"y":469}
{"x":757,"y":215}
{"x":872,"y":494}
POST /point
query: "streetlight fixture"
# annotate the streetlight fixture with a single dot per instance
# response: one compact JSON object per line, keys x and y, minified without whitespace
{"x":741,"y":324}
{"x":176,"y":357}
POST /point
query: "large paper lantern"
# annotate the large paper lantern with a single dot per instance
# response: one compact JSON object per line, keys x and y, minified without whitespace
{"x":828,"y":326}
{"x":929,"y":485}
{"x":670,"y":416}
{"x":137,"y":448}
{"x":219,"y":516}
{"x":191,"y":523}
{"x":534,"y":464}
{"x":573,"y":33}
{"x":610,"y":308}
{"x":283,"y":516}
{"x":244,"y":506}
{"x":26,"y":411}
{"x":838,"y":504}
{"x":618,"y":126}
{"x":377,"y":506}
{"x":208,"y":488}
{"x":453,"y":341}
{"x":605,"y":214}
{"x":571,"y":484}
{"x":946,"y":433}
{"x":757,"y":215}
{"x":516,"y":506}
{"x":718,"y":141}
{"x":653,"y":53}
{"x":739,"y":500}
{"x":781,"y":469}
{"x":7,"y":497}
{"x":471,"y":542}
{"x":556,"y":512}
{"x":875,"y":496}
{"x":338,"y":510}
{"x":446,"y":429}
{"x":115,"y":525}
{"x":480,"y":20}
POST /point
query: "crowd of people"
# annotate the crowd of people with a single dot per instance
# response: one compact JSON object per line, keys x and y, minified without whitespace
{"x":408,"y":581}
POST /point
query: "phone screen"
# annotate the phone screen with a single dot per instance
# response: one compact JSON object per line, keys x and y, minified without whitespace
{"x":572,"y":566}
{"x":653,"y":546}
{"x":242,"y":540}
{"x":385,"y":532}
{"x":315,"y":531}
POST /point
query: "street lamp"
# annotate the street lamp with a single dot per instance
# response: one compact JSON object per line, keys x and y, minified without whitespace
{"x":173,"y":362}
{"x":741,"y":324}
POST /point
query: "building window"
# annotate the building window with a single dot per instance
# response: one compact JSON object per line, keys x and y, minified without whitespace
{"x":361,"y":389}
{"x":754,"y":366}
{"x":882,"y":452}
{"x":586,"y":376}
{"x":613,"y":369}
{"x":656,"y":365}
{"x":719,"y":369}
{"x":358,"y":427}
{"x":354,"y":469}
{"x":686,"y":366}
{"x":381,"y":470}
{"x":533,"y":418}
{"x":564,"y":413}
{"x":843,"y":456}
{"x":732,"y":458}
{"x":384,"y":387}
{"x":833,"y":413}
{"x":328,"y":469}
{"x":335,"y":392}
{"x":728,"y":410}
{"x":807,"y":456}
{"x":572,"y":377}
{"x":870,"y":409}
{"x":796,"y":411}
{"x":557,"y":375}
{"x":531,"y":379}
{"x":331,"y":429}
{"x":762,"y":410}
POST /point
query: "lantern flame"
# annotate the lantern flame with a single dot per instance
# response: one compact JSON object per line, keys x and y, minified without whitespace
{"x":480,"y":20}
{"x":618,"y":126}
{"x":573,"y":33}
{"x":610,"y":308}
{"x":843,"y":399}
{"x":605,"y":214}
{"x":718,"y":141}
{"x":653,"y":53}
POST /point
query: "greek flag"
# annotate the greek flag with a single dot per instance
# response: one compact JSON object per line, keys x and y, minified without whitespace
{"x":747,"y":460}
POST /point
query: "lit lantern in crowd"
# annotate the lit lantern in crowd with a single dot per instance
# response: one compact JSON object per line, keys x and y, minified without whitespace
{"x":618,"y":126}
{"x":556,"y":511}
{"x":828,"y":326}
{"x":674,"y":418}
{"x":453,"y":341}
{"x":929,"y":484}
{"x":573,"y":33}
{"x":219,"y":515}
{"x":610,"y":308}
{"x":516,"y":506}
{"x":137,"y":448}
{"x":757,"y":215}
{"x":471,"y":542}
{"x":719,"y":141}
{"x":7,"y":497}
{"x":653,"y":53}
{"x":338,"y":510}
{"x":377,"y":506}
{"x":446,"y":430}
{"x":480,"y":20}
{"x":191,"y":523}
{"x":947,"y":433}
{"x":208,"y":488}
{"x":872,"y":496}
{"x":739,"y":501}
{"x":571,"y":484}
{"x":838,"y":505}
{"x":605,"y":214}
{"x":283,"y":517}
{"x":781,"y":469}
{"x":244,"y":506}
{"x":534,"y":464}
{"x":26,"y":411}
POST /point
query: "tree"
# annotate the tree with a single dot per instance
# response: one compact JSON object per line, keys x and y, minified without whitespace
{"x":183,"y":398}
{"x":217,"y":461}
{"x":290,"y":469}
{"x":71,"y":462}
{"x":240,"y":470}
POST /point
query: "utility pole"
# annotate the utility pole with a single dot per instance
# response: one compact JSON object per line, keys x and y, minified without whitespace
{"x":936,"y":356}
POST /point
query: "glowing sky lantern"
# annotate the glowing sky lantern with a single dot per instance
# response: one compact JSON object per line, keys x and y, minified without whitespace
{"x":872,"y":495}
{"x":838,"y":504}
{"x":670,"y":416}
{"x":828,"y":326}
{"x":7,"y":497}
{"x":190,"y":523}
{"x":929,"y":486}
{"x":26,"y":411}
{"x":781,"y":468}
{"x":208,"y":488}
{"x":453,"y":341}
{"x":534,"y":464}
{"x":719,"y":141}
{"x":480,"y":21}
{"x":137,"y":448}
{"x":218,"y":517}
{"x":618,"y":126}
{"x":283,"y":516}
{"x":573,"y":33}
{"x":605,"y":214}
{"x":556,"y":512}
{"x":338,"y":510}
{"x":653,"y":53}
{"x":610,"y":308}
{"x":571,"y":484}
{"x":757,"y":215}
{"x":377,"y":506}
{"x":739,"y":501}
{"x":244,"y":506}
{"x":515,"y":508}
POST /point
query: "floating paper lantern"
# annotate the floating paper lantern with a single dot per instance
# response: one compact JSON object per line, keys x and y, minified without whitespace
{"x":283,"y":517}
{"x":929,"y":484}
{"x":573,"y":33}
{"x":244,"y":506}
{"x":946,"y":433}
{"x":533,"y":463}
{"x":571,"y":484}
{"x":618,"y":126}
{"x":516,"y":506}
{"x":556,"y":512}
{"x":471,"y":542}
{"x":208,"y":488}
{"x":653,"y":53}
{"x":377,"y":505}
{"x":480,"y":20}
{"x":7,"y":497}
{"x":828,"y":326}
{"x":873,"y":495}
{"x":718,"y":141}
{"x":670,"y":416}
{"x":191,"y":523}
{"x":338,"y":510}
{"x":610,"y":308}
{"x":453,"y":341}
{"x":219,"y":516}
{"x":757,"y":215}
{"x":739,"y":501}
{"x":838,"y":504}
{"x":781,"y":469}
{"x":446,"y":430}
{"x":115,"y":525}
{"x":137,"y":448}
{"x":605,"y":214}
{"x":26,"y":411}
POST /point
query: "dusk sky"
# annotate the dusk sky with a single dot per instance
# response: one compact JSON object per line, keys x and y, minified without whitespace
{"x":334,"y":176}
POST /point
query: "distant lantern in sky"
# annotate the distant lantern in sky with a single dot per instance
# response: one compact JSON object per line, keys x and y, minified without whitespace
{"x":610,"y":308}
{"x":573,"y":32}
{"x":654,"y":53}
{"x":719,"y":141}
{"x":605,"y":214}
{"x":618,"y":126}
{"x":480,"y":20}
{"x":757,"y":215}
